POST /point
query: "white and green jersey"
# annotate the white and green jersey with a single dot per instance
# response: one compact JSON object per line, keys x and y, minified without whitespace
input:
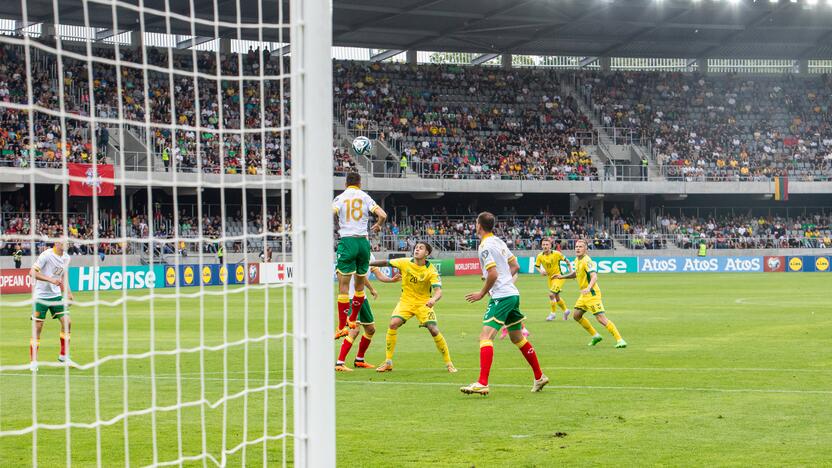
{"x":493,"y":252}
{"x":353,"y":208}
{"x":54,"y":266}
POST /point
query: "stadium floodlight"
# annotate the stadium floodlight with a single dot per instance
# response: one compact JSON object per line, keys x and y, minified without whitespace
{"x":811,"y":2}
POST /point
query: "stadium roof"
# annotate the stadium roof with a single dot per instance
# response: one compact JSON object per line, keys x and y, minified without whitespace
{"x":785,"y":29}
{"x":622,"y":28}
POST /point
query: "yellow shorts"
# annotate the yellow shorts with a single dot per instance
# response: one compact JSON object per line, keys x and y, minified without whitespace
{"x":407,"y":311}
{"x":590,"y":303}
{"x":555,"y":285}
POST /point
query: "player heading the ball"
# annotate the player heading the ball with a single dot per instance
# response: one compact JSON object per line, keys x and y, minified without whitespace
{"x":498,"y":269}
{"x":352,"y":209}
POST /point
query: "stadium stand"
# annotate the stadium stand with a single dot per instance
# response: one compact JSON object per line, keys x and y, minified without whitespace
{"x":446,"y":232}
{"x":722,"y":127}
{"x":449,"y":121}
{"x":467,"y":122}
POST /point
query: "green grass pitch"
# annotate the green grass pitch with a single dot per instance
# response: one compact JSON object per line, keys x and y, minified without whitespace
{"x":722,"y":369}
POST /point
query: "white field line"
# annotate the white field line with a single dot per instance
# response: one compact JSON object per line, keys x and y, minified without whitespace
{"x":603,"y":387}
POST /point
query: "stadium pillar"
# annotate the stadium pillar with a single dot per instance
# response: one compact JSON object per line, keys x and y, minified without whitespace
{"x":605,"y":63}
{"x":640,"y":207}
{"x":225,"y":46}
{"x":411,"y":57}
{"x":598,"y":210}
{"x":702,"y":65}
{"x":506,"y":61}
{"x":48,"y":31}
{"x":136,"y":39}
{"x":803,"y":66}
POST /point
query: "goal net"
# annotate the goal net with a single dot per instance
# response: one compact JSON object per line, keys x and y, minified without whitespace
{"x":173,"y":150}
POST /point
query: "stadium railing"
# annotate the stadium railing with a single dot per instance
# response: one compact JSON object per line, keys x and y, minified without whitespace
{"x":655,"y":241}
{"x":458,"y":243}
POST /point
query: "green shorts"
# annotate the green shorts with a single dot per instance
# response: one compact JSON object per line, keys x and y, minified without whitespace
{"x":504,"y":312}
{"x":353,"y":256}
{"x":53,"y":305}
{"x":365,"y":315}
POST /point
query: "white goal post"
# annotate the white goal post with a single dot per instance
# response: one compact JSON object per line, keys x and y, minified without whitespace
{"x":314,"y":380}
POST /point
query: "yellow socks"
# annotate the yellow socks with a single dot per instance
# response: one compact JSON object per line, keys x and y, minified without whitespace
{"x":562,"y":304}
{"x":614,"y":331}
{"x":442,"y":347}
{"x":554,"y":306}
{"x":391,"y":342}
{"x":587,"y":326}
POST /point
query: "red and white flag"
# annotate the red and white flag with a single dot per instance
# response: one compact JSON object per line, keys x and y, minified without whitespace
{"x":88,"y":180}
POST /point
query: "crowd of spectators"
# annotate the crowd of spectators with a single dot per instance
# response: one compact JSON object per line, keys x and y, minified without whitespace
{"x":467,"y":122}
{"x":452,"y":233}
{"x":230,"y":114}
{"x":226,"y":118}
{"x":16,"y":225}
{"x":722,"y":127}
{"x":445,"y":232}
{"x":727,"y":232}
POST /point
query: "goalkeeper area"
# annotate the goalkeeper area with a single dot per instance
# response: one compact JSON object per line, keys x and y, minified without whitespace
{"x":728,"y":363}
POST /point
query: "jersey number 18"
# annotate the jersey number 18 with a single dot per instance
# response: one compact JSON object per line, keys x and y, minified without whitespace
{"x":353,"y":208}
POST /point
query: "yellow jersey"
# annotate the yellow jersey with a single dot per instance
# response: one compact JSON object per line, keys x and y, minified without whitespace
{"x":583,"y":268}
{"x":554,"y":263}
{"x":417,"y":281}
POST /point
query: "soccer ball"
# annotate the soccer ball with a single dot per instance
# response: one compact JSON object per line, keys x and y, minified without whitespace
{"x":362,"y":146}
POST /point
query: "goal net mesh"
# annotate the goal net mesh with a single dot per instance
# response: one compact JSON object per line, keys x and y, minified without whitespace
{"x":154,"y":138}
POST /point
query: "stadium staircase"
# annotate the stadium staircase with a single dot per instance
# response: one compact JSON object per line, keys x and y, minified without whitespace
{"x":600,"y":153}
{"x":612,"y":155}
{"x":382,"y":154}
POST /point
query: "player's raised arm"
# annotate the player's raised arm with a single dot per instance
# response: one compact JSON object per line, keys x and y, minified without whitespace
{"x":387,"y":279}
{"x":381,"y":218}
{"x":379,"y":263}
